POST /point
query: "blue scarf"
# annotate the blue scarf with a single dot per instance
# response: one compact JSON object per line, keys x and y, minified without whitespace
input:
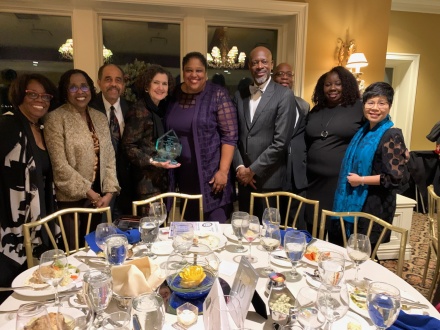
{"x":358,"y":159}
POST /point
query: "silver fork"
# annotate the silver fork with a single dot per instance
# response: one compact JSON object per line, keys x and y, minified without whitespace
{"x":24,"y":287}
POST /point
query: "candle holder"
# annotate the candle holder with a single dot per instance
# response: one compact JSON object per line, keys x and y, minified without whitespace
{"x":187,"y":315}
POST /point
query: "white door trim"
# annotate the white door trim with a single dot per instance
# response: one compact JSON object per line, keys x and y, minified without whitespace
{"x":405,"y":75}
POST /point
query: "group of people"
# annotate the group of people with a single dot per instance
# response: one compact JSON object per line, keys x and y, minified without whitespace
{"x":96,"y":150}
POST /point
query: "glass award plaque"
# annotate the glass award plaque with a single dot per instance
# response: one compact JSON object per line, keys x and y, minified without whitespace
{"x":168,"y":147}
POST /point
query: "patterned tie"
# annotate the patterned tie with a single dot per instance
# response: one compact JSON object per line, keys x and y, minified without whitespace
{"x":114,"y":128}
{"x":254,"y":89}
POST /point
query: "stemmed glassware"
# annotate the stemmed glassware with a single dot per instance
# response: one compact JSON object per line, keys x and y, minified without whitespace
{"x":229,"y":310}
{"x":331,"y":266}
{"x":149,"y":310}
{"x":250,"y":228}
{"x":28,"y":313}
{"x":104,"y":230}
{"x":383,"y":304}
{"x":236,"y":220}
{"x":53,"y":269}
{"x":159,"y":211}
{"x":98,"y":290}
{"x":117,"y":247}
{"x":183,"y":240}
{"x":359,"y":250}
{"x":332,"y":302}
{"x":295,"y":246}
{"x":271,"y":215}
{"x":149,"y":229}
{"x":270,"y":240}
{"x":308,"y":314}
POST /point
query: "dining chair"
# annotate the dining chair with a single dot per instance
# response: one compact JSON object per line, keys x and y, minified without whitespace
{"x":372,"y":220}
{"x":290,"y":197}
{"x":56,"y":218}
{"x":175,"y":200}
{"x":434,"y":234}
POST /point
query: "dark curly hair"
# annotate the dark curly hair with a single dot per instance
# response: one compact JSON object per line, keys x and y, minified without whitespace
{"x":146,"y":77}
{"x":196,"y":55}
{"x":350,"y":88}
{"x":379,"y":89}
{"x":17,"y":90}
{"x":64,"y":82}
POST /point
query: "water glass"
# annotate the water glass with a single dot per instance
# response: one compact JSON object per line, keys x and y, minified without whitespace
{"x":229,"y":309}
{"x":250,"y":229}
{"x":117,"y":321}
{"x":53,"y":269}
{"x":359,"y":250}
{"x":117,"y":247}
{"x":150,"y":311}
{"x":183,"y":240}
{"x":383,"y":304}
{"x":97,"y":288}
{"x":295,"y":246}
{"x":270,"y":241}
{"x":331,"y":266}
{"x":149,"y":229}
{"x":236,"y":220}
{"x":271,"y":215}
{"x":308,"y":314}
{"x":27,"y":314}
{"x":159,"y":211}
{"x":104,"y":230}
{"x":332,"y":302}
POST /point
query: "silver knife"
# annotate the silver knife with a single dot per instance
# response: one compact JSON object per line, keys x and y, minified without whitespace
{"x":136,"y":323}
{"x":313,"y":240}
{"x":281,"y":257}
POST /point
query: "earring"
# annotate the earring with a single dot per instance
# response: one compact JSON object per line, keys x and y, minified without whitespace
{"x":146,"y":90}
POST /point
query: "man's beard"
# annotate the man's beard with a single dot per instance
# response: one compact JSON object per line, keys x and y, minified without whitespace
{"x":261,"y":80}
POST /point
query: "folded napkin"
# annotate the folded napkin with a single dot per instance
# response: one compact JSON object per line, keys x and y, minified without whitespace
{"x":415,"y":322}
{"x":305,"y":232}
{"x":136,"y":277}
{"x":133,"y":236}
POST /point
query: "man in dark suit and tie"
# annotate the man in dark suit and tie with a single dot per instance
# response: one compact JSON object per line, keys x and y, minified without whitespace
{"x":109,"y":101}
{"x":296,"y":178}
{"x":266,"y":117}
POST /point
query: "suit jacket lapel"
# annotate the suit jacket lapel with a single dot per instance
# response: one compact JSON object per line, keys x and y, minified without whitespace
{"x":263,"y":102}
{"x":247,"y":111}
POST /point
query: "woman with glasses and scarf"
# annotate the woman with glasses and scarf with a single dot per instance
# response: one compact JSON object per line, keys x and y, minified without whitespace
{"x":25,"y":172}
{"x":80,"y":148}
{"x":373,"y":165}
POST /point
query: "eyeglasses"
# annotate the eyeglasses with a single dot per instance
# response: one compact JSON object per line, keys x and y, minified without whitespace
{"x":380,"y":105}
{"x":73,"y":89}
{"x":284,"y":74}
{"x":34,"y":95}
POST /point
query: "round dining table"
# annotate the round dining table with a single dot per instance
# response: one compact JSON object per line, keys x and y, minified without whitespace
{"x":370,"y":270}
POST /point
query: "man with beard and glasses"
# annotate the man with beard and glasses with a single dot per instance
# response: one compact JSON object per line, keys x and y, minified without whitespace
{"x":108,"y":101}
{"x":266,"y":117}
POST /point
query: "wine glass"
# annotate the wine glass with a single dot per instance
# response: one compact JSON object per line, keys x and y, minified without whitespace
{"x":97,"y":288}
{"x":183,"y":239}
{"x":331,"y":266}
{"x":332,"y":302}
{"x":149,"y":229}
{"x":117,"y":247}
{"x":308,"y":314}
{"x":359,"y":250}
{"x":158,"y":210}
{"x":295,"y":246}
{"x":271,"y":215}
{"x":250,"y":228}
{"x":236,"y":220}
{"x":149,"y":309}
{"x":383,"y":304}
{"x":270,"y":240}
{"x":103,"y":230}
{"x":28,"y":314}
{"x":117,"y":320}
{"x":53,"y":269}
{"x":229,"y":309}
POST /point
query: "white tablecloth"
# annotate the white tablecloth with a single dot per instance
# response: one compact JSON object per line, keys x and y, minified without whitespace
{"x":369,"y":269}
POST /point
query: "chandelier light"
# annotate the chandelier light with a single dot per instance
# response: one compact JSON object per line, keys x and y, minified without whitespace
{"x":223,"y":57}
{"x":66,"y":51}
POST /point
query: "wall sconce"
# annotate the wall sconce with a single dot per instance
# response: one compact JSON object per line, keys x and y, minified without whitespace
{"x":357,"y":61}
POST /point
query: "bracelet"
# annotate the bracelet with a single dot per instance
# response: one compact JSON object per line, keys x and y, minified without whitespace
{"x":96,"y":200}
{"x":362,"y":181}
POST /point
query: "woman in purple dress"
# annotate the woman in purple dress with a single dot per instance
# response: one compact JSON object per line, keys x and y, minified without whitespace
{"x":205,"y":120}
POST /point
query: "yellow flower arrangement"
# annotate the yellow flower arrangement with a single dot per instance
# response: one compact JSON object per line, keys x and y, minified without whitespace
{"x":192,"y":276}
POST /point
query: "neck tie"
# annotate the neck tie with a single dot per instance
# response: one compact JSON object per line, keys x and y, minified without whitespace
{"x":114,"y":128}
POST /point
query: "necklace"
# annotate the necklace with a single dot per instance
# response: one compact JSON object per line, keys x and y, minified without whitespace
{"x":39,"y":126}
{"x":324,"y":132}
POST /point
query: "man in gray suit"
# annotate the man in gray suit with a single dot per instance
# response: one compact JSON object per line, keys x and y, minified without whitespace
{"x":296,"y":178}
{"x":266,"y":118}
{"x":112,"y":84}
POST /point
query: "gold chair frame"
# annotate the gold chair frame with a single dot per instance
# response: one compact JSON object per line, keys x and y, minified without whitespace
{"x":373,"y":219}
{"x":291,"y":196}
{"x":57,"y":216}
{"x":175,"y":196}
{"x":434,"y":234}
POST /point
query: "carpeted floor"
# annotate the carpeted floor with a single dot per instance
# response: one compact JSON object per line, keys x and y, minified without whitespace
{"x":413,"y":268}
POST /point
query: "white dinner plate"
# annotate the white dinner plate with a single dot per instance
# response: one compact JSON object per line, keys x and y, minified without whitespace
{"x":162,"y":248}
{"x":229,"y":233}
{"x":67,"y":311}
{"x":351,"y":317}
{"x":23,"y":279}
{"x":324,"y":246}
{"x":214,"y":240}
{"x":312,"y":282}
{"x":280,"y":262}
